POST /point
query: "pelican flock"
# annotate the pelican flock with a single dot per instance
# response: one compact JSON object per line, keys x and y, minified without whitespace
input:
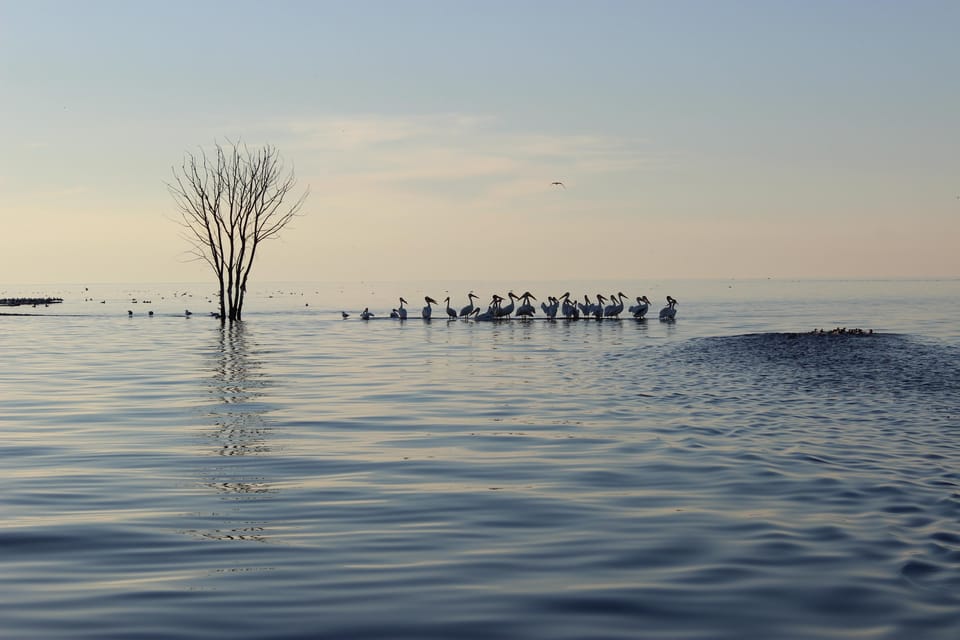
{"x":521,"y":306}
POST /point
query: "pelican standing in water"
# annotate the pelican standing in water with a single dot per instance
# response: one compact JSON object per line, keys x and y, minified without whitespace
{"x":614,"y":309}
{"x":401,"y":312}
{"x":365,"y":314}
{"x":586,"y":306}
{"x":570,"y":309}
{"x":598,"y":308}
{"x":428,"y":310}
{"x":640,"y":309}
{"x":526,"y":310}
{"x":505,"y":311}
{"x":451,"y":312}
{"x":467,"y":310}
{"x":669,"y":312}
{"x":550,"y":310}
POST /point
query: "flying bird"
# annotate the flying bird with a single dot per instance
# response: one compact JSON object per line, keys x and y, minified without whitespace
{"x":557,"y":183}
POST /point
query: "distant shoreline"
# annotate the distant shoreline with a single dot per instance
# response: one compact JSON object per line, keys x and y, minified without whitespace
{"x":21,"y":302}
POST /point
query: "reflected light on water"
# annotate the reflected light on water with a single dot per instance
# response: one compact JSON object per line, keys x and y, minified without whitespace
{"x":302,"y":476}
{"x":239,"y":430}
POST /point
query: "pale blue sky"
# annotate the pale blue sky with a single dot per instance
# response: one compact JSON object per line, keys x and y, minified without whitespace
{"x":727,"y":139}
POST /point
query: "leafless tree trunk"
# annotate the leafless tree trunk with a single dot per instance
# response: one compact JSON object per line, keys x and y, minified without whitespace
{"x":229,"y":201}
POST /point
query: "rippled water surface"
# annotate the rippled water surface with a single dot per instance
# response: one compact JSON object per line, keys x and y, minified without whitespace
{"x":303,"y":476}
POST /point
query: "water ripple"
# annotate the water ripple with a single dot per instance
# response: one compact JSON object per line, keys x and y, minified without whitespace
{"x":286,"y":479}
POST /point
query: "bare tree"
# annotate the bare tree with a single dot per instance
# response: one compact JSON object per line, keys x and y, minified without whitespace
{"x":230,"y":200}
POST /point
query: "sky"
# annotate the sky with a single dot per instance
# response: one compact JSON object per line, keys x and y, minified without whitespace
{"x":694,"y":138}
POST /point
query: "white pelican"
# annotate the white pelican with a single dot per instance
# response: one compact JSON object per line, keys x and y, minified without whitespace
{"x":401,"y":312}
{"x":550,"y":310}
{"x":365,"y":314}
{"x":451,"y":312}
{"x":504,"y":312}
{"x":570,"y":309}
{"x":526,"y":309}
{"x":467,"y":310}
{"x":586,"y":306}
{"x":491,"y":312}
{"x":486,"y":316}
{"x":669,"y":312}
{"x":428,"y":310}
{"x":614,"y":309}
{"x":598,"y":308}
{"x":640,"y":309}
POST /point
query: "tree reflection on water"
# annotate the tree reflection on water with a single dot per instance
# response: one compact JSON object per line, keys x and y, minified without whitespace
{"x":237,"y":385}
{"x":240,"y":438}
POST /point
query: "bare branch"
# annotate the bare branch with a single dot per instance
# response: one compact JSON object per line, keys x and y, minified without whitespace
{"x":229,"y":201}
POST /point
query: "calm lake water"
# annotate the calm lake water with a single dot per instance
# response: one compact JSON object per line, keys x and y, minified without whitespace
{"x":304,"y":476}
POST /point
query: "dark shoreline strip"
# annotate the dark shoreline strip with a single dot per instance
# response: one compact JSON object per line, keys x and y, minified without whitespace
{"x":17,"y":302}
